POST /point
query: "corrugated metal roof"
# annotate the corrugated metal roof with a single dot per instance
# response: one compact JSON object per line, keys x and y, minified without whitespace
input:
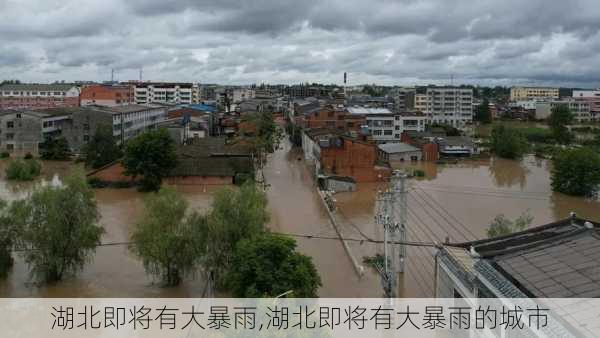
{"x":393,"y":148}
{"x":368,"y":111}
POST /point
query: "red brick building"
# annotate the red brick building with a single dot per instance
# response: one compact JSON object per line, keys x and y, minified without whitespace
{"x":334,"y":118}
{"x":38,"y":96}
{"x":430,"y":150}
{"x":107,"y":95}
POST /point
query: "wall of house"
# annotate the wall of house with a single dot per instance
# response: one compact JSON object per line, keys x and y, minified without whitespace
{"x":106,"y":95}
{"x":20,"y":135}
{"x":405,"y":156}
{"x":83,"y":125}
{"x":335,"y":119}
{"x":354,"y":159}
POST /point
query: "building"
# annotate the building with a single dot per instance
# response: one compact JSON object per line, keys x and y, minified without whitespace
{"x":533,"y":93}
{"x":593,"y":98}
{"x":580,"y":109}
{"x":206,"y":161}
{"x":404,"y":98}
{"x":126,"y":122}
{"x":556,"y":260}
{"x":386,"y":126}
{"x":107,"y":95}
{"x":333,"y":117}
{"x":22,"y":131}
{"x":456,"y":146}
{"x":399,"y":152}
{"x":38,"y":96}
{"x":421,"y":102}
{"x":449,"y":105}
{"x":175,"y":93}
{"x":334,"y":153}
{"x":242,"y":94}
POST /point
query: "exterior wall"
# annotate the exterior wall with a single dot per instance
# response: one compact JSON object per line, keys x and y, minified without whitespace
{"x":404,"y":98}
{"x":421,"y":102}
{"x":112,"y":173}
{"x":164,"y":93}
{"x":529,"y":93}
{"x":389,"y":128}
{"x":579,"y":108}
{"x":586,"y":93}
{"x":20,"y":133}
{"x":354,"y":159}
{"x":242,"y":94}
{"x":453,"y":106}
{"x":334,"y":119}
{"x":109,"y":96}
{"x":430,"y":152}
{"x":404,"y":157}
{"x":84,"y":123}
{"x":49,"y":97}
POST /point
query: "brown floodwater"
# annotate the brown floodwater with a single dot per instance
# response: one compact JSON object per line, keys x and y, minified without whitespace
{"x":455,"y":201}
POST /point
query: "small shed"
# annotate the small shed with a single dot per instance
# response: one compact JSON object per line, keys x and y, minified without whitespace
{"x":399,"y":152}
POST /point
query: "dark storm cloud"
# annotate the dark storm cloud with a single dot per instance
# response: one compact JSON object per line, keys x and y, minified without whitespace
{"x":241,"y":41}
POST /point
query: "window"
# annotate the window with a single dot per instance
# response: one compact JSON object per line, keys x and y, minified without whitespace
{"x":10,"y":147}
{"x":10,"y":124}
{"x":377,"y":132}
{"x":388,"y":123}
{"x":10,"y":136}
{"x":330,"y":114}
{"x":396,"y":135}
{"x":19,"y":116}
{"x":397,"y":127}
{"x":387,"y":132}
{"x":86,"y":138}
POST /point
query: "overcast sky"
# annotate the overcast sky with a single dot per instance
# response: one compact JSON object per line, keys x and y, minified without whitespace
{"x":277,"y":41}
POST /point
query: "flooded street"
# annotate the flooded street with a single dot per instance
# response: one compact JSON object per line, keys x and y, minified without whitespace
{"x":455,"y":201}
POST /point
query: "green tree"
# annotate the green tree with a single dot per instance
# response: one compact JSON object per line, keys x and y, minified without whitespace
{"x":559,"y":119}
{"x":102,"y":149}
{"x":268,"y":265}
{"x":576,"y":172}
{"x":55,"y":149}
{"x":502,"y":226}
{"x":484,"y":115}
{"x":59,"y":227}
{"x":235,"y":215}
{"x":23,"y":170}
{"x":7,"y":239}
{"x":151,"y":155}
{"x":164,"y":237}
{"x":508,"y":142}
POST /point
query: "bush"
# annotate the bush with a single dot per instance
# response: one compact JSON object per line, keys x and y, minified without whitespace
{"x":5,"y":154}
{"x":28,"y":156}
{"x":537,"y":135}
{"x":242,"y":178}
{"x":508,"y":142}
{"x":23,"y":170}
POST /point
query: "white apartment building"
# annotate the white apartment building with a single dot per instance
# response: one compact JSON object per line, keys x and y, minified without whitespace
{"x":590,"y":93}
{"x":386,"y":126}
{"x":579,"y":108}
{"x":175,"y":93}
{"x":533,"y":93}
{"x":449,"y":105}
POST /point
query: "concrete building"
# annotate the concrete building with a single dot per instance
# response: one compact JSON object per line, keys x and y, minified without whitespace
{"x":38,"y":96}
{"x":107,"y":95}
{"x":533,"y":93}
{"x":399,"y":152}
{"x":22,"y":131}
{"x":580,"y":109}
{"x":404,"y":98}
{"x":126,"y":122}
{"x":175,"y":93}
{"x":556,"y":260}
{"x":386,"y":126}
{"x":421,"y":102}
{"x":242,"y":94}
{"x":333,"y":117}
{"x":449,"y":105}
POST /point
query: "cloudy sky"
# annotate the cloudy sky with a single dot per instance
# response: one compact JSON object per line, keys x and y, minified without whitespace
{"x":278,"y":41}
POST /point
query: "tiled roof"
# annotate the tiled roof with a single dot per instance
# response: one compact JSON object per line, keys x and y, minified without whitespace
{"x":211,"y":156}
{"x":59,"y":87}
{"x":561,"y":259}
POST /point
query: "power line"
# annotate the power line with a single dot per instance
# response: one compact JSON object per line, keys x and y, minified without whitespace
{"x":474,"y":188}
{"x":425,"y":209}
{"x":446,"y":211}
{"x":496,"y":195}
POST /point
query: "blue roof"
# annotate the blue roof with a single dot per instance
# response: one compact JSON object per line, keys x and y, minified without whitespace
{"x":202,"y":107}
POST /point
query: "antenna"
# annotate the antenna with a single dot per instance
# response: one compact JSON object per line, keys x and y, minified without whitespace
{"x":112,"y":75}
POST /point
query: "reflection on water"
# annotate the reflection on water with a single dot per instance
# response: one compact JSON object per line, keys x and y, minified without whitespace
{"x":508,"y":175}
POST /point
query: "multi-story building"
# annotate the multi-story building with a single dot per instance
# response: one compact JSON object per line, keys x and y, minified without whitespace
{"x":21,"y":131}
{"x":404,"y":98}
{"x":38,"y":96}
{"x":533,"y":93}
{"x":421,"y":102}
{"x":450,"y":105}
{"x":126,"y":122}
{"x":386,"y":126}
{"x":593,"y":98}
{"x":242,"y":94}
{"x":107,"y":95}
{"x":579,"y":108}
{"x":334,"y":118}
{"x":152,"y":92}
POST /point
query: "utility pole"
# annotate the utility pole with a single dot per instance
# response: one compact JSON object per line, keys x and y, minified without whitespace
{"x":392,"y":209}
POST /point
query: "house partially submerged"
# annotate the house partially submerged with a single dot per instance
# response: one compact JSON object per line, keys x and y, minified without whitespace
{"x":205,"y":161}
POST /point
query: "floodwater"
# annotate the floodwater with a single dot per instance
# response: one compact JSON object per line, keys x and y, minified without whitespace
{"x":455,"y":201}
{"x":458,"y":202}
{"x":113,"y":271}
